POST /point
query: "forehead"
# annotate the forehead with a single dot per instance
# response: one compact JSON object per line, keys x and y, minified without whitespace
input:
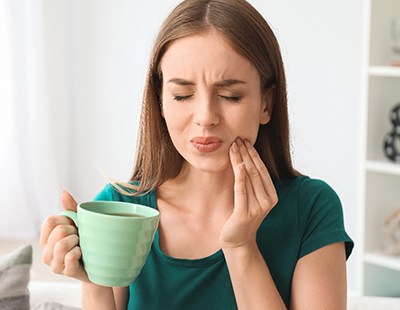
{"x":209,"y":53}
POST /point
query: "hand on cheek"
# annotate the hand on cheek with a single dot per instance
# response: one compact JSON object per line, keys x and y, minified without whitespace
{"x":254,"y":196}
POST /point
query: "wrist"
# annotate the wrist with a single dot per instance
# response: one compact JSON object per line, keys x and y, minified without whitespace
{"x":90,"y":286}
{"x":97,"y":297}
{"x":243,"y":252}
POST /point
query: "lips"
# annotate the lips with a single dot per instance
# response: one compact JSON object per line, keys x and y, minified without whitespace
{"x":206,"y":144}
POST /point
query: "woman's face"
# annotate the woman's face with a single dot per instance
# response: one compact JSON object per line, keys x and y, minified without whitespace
{"x":211,"y":95}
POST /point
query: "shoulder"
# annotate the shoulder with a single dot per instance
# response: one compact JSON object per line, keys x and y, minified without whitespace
{"x":111,"y":193}
{"x":313,"y":198}
{"x":313,"y":202}
{"x":306,"y":190}
{"x":320,"y":214}
{"x":315,"y":190}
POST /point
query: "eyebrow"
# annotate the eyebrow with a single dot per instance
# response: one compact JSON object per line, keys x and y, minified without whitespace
{"x":223,"y":83}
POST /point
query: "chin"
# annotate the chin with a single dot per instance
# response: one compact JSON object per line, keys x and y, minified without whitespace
{"x":212,"y":166}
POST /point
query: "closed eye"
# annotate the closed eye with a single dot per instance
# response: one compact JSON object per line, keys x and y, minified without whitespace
{"x":182,"y":98}
{"x":231,"y":98}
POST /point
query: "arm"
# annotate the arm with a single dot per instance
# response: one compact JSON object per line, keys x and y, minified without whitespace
{"x":97,"y":297}
{"x":107,"y":298}
{"x":252,"y":283}
{"x":319,"y":280}
{"x":254,"y":197}
{"x":121,"y":296}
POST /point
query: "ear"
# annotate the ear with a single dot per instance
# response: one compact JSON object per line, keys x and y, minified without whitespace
{"x":267,"y":105}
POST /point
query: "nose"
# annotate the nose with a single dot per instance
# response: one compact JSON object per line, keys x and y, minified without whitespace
{"x":206,"y":113}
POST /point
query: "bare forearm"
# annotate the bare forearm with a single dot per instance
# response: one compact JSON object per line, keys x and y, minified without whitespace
{"x":97,"y":297}
{"x":252,"y":283}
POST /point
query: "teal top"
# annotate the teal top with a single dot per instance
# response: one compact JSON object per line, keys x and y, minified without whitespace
{"x":307,"y":217}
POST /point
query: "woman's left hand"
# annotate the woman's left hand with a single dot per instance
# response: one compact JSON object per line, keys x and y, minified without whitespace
{"x":254,"y":196}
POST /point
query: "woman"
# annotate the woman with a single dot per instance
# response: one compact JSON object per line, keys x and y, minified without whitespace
{"x":239,"y":226}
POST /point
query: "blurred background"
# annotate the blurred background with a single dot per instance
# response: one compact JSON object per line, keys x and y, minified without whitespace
{"x":71,"y":80}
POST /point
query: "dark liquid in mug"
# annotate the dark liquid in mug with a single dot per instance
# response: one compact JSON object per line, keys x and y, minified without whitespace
{"x":127,"y":214}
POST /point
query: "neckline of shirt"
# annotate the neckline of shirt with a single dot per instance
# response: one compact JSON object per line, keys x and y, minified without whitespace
{"x":185,"y":262}
{"x":198,"y":262}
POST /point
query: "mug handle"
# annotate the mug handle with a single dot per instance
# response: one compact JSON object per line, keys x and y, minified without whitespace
{"x":71,"y":215}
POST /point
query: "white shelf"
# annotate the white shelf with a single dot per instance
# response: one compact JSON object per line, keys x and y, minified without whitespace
{"x":383,"y":260}
{"x":383,"y":167}
{"x":385,"y":71}
{"x":380,"y":190}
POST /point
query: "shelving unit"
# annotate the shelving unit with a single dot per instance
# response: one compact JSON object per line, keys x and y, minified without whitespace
{"x":384,"y":71}
{"x":382,"y":167}
{"x":382,"y":260}
{"x":381,"y":177}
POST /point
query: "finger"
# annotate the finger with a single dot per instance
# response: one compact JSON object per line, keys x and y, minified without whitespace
{"x":58,"y":233}
{"x":252,"y":202}
{"x":255,"y":179}
{"x":49,"y":224}
{"x":61,"y":249}
{"x":240,"y":194}
{"x":234,"y":156}
{"x":72,"y":263}
{"x":262,"y":170}
{"x":68,"y":202}
{"x":245,"y":156}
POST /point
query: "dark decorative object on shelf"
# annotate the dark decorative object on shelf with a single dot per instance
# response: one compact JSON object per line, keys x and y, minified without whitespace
{"x":391,"y":145}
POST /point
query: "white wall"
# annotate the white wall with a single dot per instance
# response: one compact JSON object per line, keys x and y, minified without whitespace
{"x":322,"y":45}
{"x":110,"y":45}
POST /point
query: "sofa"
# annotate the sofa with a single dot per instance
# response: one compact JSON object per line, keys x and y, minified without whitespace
{"x":47,"y":291}
{"x":40,"y":289}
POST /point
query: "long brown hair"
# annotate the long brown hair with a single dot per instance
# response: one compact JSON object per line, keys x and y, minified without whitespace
{"x":157,"y":160}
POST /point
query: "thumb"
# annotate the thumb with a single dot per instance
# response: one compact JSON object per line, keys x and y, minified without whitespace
{"x":68,"y":202}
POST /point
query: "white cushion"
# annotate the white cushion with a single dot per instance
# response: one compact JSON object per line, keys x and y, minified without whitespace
{"x":68,"y":294}
{"x":372,"y":303}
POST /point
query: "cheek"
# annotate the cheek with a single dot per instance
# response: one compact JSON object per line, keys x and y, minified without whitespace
{"x":252,"y":134}
{"x":176,"y":124}
{"x":173,"y":119}
{"x":248,"y":128}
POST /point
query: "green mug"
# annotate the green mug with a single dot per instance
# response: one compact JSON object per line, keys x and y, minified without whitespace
{"x":115,"y":239}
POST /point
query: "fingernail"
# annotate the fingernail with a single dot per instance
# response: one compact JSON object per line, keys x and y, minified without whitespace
{"x":247,"y":143}
{"x":234,"y":147}
{"x":239,"y":142}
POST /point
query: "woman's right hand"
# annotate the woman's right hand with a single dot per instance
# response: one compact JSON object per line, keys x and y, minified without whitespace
{"x":60,"y":242}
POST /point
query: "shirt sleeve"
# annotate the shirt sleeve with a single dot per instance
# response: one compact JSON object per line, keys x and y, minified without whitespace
{"x":110,"y":193}
{"x":107,"y":194}
{"x":320,"y":217}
